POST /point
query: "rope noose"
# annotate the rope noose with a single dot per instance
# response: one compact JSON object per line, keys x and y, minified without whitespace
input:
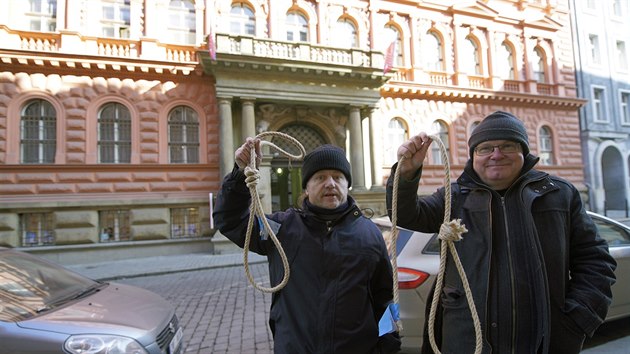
{"x":450,"y":231}
{"x":251,"y":179}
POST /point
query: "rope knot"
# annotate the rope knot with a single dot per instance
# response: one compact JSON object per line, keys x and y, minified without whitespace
{"x":252,"y":176}
{"x":452,"y":230}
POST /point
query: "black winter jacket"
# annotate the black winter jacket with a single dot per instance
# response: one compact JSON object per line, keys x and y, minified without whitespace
{"x":540,"y":274}
{"x":340,"y":275}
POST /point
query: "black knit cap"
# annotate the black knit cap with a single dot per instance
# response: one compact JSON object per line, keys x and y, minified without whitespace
{"x":325,"y":157}
{"x":499,"y":126}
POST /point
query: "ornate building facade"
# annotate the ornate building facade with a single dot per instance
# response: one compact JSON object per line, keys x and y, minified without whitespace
{"x":603,"y":77}
{"x":116,"y":124}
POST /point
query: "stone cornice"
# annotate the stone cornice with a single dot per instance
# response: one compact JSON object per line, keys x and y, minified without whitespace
{"x":430,"y":92}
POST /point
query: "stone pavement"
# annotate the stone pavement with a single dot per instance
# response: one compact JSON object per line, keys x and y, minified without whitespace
{"x":139,"y":267}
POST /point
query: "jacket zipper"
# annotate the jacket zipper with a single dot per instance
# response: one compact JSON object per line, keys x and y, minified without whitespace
{"x":507,"y":240}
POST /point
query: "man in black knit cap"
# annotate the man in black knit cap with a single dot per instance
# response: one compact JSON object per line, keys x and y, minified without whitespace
{"x":539,"y":272}
{"x":340,"y":275}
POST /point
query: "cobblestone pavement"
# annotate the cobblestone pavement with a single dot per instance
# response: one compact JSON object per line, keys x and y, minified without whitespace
{"x":218,"y":308}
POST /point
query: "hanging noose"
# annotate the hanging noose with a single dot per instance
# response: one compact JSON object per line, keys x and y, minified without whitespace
{"x":450,"y":231}
{"x":252,"y":176}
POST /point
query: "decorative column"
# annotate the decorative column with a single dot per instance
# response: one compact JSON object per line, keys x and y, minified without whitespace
{"x":226,"y":141}
{"x":376,"y":151}
{"x":356,"y":149}
{"x":248,"y":126}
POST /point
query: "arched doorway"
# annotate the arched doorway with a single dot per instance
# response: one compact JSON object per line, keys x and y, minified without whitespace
{"x":612,"y":175}
{"x":286,"y":178}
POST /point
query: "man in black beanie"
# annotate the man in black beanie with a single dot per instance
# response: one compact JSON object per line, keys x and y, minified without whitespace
{"x":539,"y":272}
{"x":340,"y":275}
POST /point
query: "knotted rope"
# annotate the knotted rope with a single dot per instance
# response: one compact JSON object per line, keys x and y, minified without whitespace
{"x":252,"y":176}
{"x":450,"y":231}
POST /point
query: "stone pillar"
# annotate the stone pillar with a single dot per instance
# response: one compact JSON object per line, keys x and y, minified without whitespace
{"x":356,"y":149}
{"x":248,"y":127}
{"x":226,"y":140}
{"x":376,"y":150}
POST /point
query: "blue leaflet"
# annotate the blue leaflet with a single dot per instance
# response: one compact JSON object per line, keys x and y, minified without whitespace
{"x":387,"y":323}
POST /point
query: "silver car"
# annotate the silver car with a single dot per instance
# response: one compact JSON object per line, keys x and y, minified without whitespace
{"x":419,"y":261}
{"x":45,"y":308}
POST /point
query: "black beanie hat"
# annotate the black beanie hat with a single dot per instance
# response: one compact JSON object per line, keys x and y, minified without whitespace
{"x":499,"y":126}
{"x":325,"y":157}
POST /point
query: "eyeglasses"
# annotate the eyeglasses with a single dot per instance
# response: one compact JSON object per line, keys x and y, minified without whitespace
{"x":507,"y":148}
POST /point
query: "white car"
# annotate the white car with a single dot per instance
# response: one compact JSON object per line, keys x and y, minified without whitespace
{"x":419,"y":261}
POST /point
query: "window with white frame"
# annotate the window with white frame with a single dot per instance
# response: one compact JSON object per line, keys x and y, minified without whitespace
{"x":242,"y":20}
{"x":114,"y":225}
{"x":42,"y":15}
{"x":392,"y":34}
{"x":38,"y":132}
{"x":591,"y":4}
{"x":115,"y":19}
{"x":598,"y":104}
{"x":545,"y":146}
{"x":619,"y":7}
{"x":624,"y":102}
{"x":183,"y":135}
{"x":433,"y":52}
{"x":441,"y":130}
{"x":182,"y":23}
{"x":297,"y":27}
{"x":506,"y":62}
{"x":185,"y":222}
{"x":538,"y":66}
{"x":622,"y":58}
{"x":470,"y":61}
{"x":594,"y":50}
{"x":114,"y":134}
{"x":396,"y":135}
{"x":37,"y":229}
{"x":345,"y":34}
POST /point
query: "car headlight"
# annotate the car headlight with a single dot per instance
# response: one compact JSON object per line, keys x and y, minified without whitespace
{"x":102,"y":344}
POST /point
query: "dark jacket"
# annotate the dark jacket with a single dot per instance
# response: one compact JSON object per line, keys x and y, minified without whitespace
{"x":540,"y":274}
{"x":340,"y":275}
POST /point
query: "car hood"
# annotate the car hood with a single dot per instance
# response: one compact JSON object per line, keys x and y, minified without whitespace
{"x":115,"y":309}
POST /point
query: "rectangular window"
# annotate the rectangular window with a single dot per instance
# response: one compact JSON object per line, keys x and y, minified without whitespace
{"x":37,"y":229}
{"x":42,"y":15}
{"x":625,"y":107}
{"x":594,"y":48}
{"x":114,"y":225}
{"x":185,"y":222}
{"x":115,"y":18}
{"x":618,"y":7}
{"x":591,"y":4}
{"x":622,"y":58}
{"x":599,"y":104}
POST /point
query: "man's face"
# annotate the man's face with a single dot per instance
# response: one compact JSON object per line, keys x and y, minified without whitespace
{"x":498,"y":169}
{"x":327,"y":189}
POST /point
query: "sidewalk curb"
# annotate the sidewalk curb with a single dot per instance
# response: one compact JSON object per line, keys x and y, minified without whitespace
{"x":181,"y":270}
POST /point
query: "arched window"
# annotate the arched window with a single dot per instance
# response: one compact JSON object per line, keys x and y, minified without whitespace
{"x":114,"y":134}
{"x":115,"y":19}
{"x":42,"y":15}
{"x":395,"y":135}
{"x":506,"y":62}
{"x":242,"y":20}
{"x":470,"y":59}
{"x":346,"y":34}
{"x":182,"y":21}
{"x":546,"y":146}
{"x":392,"y":34}
{"x":538,"y":65}
{"x":433,"y":52}
{"x":297,"y":27}
{"x":38,"y":132}
{"x":183,"y":135}
{"x":441,"y":130}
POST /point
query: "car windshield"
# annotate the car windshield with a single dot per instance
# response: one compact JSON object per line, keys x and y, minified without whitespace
{"x":29,"y":286}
